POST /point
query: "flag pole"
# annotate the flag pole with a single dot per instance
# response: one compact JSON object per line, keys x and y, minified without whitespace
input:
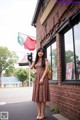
{"x":26,"y":34}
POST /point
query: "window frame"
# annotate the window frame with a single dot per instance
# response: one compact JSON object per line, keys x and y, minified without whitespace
{"x":52,"y":40}
{"x":71,"y":22}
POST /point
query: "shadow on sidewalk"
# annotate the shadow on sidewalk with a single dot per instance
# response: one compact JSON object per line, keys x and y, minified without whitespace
{"x":24,"y":111}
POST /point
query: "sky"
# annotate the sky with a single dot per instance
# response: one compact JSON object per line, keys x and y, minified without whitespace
{"x":16,"y":16}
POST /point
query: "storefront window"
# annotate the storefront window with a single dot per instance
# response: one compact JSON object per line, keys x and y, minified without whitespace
{"x":72,"y":53}
{"x":51,"y":56}
{"x":77,"y":49}
{"x":54,"y":62}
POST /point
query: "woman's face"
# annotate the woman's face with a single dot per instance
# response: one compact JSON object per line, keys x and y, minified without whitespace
{"x":40,"y":53}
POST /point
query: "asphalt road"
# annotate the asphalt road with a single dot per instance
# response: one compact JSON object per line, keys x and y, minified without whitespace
{"x":13,"y":95}
{"x":16,"y":104}
{"x":23,"y":111}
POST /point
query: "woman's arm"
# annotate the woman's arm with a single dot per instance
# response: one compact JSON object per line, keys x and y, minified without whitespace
{"x":32,"y":65}
{"x":45,"y":72}
{"x":46,"y":69}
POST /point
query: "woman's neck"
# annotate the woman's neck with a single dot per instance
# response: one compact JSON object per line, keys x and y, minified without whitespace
{"x":40,"y":58}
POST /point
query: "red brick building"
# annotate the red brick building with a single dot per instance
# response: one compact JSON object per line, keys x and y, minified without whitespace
{"x":58,"y":31}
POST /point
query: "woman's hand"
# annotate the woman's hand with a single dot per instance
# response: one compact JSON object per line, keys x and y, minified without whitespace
{"x":32,"y":71}
{"x":41,"y":81}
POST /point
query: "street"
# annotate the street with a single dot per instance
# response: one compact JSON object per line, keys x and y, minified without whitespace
{"x":16,"y":104}
{"x":13,"y":95}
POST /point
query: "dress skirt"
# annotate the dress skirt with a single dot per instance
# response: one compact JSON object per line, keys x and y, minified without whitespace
{"x":41,"y":92}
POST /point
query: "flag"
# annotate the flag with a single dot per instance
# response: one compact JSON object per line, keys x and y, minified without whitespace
{"x":20,"y":40}
{"x":30,"y":43}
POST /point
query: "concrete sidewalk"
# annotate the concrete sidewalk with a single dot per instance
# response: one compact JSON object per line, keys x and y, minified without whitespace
{"x":24,"y":111}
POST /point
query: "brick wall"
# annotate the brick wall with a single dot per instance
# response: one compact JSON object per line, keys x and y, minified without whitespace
{"x":65,"y":97}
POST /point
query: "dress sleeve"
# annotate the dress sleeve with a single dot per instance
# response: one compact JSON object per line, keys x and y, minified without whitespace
{"x":46,"y":59}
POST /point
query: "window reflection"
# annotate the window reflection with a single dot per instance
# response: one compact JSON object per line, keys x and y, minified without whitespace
{"x":54,"y":62}
{"x":72,"y":53}
{"x":51,"y":56}
{"x":69,"y":54}
{"x":77,"y":49}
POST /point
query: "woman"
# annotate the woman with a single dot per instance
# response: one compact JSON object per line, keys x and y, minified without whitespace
{"x":41,"y":84}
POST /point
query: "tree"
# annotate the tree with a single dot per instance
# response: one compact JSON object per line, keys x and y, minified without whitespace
{"x":54,"y":57}
{"x":7,"y":59}
{"x":70,"y":56}
{"x":21,"y":74}
{"x":9,"y":72}
{"x":31,"y":76}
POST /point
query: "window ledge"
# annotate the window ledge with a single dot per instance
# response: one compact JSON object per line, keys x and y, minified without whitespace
{"x":53,"y":81}
{"x":77,"y":82}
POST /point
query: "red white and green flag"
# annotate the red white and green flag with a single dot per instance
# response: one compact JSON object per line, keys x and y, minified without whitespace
{"x":20,"y":39}
{"x":28,"y":42}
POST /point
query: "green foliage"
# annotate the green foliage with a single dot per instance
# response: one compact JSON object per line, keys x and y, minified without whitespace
{"x":70,"y":56}
{"x":54,"y":57}
{"x":7,"y":59}
{"x":31,"y":76}
{"x":21,"y":74}
{"x":55,"y":110}
{"x":9,"y":71}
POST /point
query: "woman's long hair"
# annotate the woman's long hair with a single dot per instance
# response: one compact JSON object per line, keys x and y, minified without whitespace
{"x":43,"y":57}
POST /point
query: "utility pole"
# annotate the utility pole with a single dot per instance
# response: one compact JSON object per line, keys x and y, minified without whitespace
{"x":29,"y":57}
{"x":0,"y":82}
{"x":29,"y":75}
{"x":0,"y":74}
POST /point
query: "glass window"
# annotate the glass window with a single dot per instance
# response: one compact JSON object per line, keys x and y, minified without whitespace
{"x":72,"y":53}
{"x":54,"y":62}
{"x":51,"y":56}
{"x":77,"y":49}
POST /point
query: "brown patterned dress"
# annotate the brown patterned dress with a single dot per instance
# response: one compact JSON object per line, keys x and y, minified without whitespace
{"x":40,"y":91}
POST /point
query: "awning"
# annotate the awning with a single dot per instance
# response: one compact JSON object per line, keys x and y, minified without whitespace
{"x":24,"y":61}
